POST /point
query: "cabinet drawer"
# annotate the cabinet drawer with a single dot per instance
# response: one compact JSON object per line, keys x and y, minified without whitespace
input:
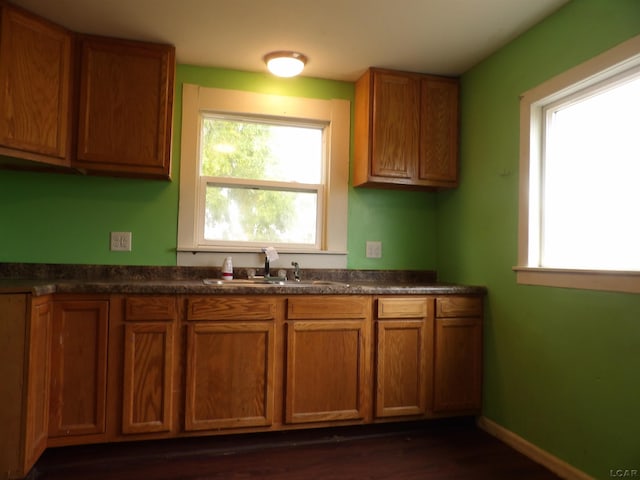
{"x":150,"y":308}
{"x":231,"y":308}
{"x":327,"y":307}
{"x":458,"y":306}
{"x":402,"y":307}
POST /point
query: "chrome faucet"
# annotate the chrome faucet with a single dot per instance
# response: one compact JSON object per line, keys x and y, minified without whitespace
{"x":269,"y":254}
{"x":296,"y":271}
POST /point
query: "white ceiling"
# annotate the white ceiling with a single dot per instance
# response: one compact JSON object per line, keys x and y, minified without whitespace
{"x":341,"y":37}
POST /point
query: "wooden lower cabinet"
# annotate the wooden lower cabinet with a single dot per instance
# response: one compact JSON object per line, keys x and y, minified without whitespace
{"x":78,"y":370}
{"x":25,"y":334}
{"x":38,"y":373}
{"x":457,"y":373}
{"x":149,"y":363}
{"x":404,"y":327}
{"x":328,"y":371}
{"x":230,"y":360}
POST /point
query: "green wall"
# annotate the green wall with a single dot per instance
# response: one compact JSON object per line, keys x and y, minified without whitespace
{"x":561,"y":365}
{"x":55,"y":218}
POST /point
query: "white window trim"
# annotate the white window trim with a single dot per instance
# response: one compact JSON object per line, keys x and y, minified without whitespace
{"x":619,"y":58}
{"x":335,"y":112}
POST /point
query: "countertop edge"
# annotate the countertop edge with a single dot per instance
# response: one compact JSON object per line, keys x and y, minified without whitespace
{"x":195,"y":287}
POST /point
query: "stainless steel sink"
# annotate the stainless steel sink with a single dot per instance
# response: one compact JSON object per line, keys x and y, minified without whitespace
{"x":271,"y":282}
{"x":237,"y":282}
{"x":318,"y":283}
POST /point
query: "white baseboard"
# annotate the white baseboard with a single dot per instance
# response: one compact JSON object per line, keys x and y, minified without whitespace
{"x":557,"y":466}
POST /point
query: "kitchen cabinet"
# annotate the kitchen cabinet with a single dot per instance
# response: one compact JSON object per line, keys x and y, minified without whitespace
{"x":457,"y":373}
{"x":25,"y":338}
{"x":78,"y":370}
{"x":125,"y":107}
{"x":35,"y":88}
{"x":37,"y":398}
{"x":328,"y":359}
{"x":99,"y":105}
{"x":230,"y":362}
{"x":406,"y":130}
{"x":149,"y":338}
{"x":403,"y":355}
{"x":90,"y":368}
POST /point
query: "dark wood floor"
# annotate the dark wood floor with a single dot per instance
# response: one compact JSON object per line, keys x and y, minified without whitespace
{"x":437,"y":450}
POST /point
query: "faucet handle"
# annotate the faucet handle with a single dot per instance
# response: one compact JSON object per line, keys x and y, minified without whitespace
{"x":296,"y":271}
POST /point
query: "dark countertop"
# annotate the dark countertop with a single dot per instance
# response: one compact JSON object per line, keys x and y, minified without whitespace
{"x":82,"y":279}
{"x":197,"y":287}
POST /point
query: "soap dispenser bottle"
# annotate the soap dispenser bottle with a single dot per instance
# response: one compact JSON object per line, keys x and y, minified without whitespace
{"x":227,"y":269}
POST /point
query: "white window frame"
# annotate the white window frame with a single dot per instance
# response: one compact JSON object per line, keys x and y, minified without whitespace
{"x":331,"y":250}
{"x":532,"y":103}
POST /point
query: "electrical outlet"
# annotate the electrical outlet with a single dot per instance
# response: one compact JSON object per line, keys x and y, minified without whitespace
{"x":374,"y":249}
{"x":120,"y":241}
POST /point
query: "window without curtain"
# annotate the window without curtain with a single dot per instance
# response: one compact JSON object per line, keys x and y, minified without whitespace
{"x":260,"y":170}
{"x":580,"y":171}
{"x":589,"y":195}
{"x":262,"y":180}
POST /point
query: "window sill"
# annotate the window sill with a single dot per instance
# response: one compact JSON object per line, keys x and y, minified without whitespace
{"x":613,"y":281}
{"x":250,"y":258}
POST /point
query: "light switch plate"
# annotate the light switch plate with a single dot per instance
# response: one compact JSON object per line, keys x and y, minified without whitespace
{"x":120,"y":241}
{"x":374,"y":249}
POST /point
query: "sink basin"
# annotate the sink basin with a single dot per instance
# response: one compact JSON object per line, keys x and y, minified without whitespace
{"x":271,"y":282}
{"x":317,"y":283}
{"x":235,"y":282}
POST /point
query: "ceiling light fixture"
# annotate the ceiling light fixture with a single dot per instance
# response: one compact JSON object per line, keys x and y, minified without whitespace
{"x":284,"y":63}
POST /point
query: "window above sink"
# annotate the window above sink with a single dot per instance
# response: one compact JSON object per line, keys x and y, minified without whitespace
{"x":220,"y":189}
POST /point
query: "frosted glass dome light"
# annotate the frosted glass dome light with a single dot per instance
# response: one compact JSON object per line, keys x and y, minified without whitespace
{"x":285,"y":64}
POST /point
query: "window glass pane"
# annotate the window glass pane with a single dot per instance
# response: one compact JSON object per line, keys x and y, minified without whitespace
{"x":241,"y":148}
{"x":590,"y":182}
{"x":258,"y":215}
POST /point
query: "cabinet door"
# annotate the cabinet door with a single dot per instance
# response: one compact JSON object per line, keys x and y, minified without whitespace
{"x":37,"y":396}
{"x":78,"y":368}
{"x":230,"y":361}
{"x":439,"y":131}
{"x":229,"y":375}
{"x":458,"y":364}
{"x":405,"y":130}
{"x":24,"y":369}
{"x":328,"y":375}
{"x":149,"y":365}
{"x":125,"y":111}
{"x":395,"y":125}
{"x":402,"y":333}
{"x":35,"y":76}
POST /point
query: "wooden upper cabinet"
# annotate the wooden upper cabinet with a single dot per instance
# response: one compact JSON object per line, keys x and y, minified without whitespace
{"x":439,"y":131}
{"x":125,"y":109}
{"x":35,"y":85}
{"x":406,"y":130}
{"x":394,"y":142}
